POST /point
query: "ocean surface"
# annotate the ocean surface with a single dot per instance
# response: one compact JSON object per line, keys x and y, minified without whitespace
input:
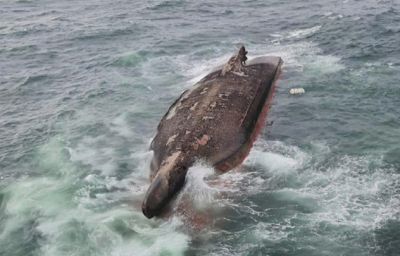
{"x":83,"y":85}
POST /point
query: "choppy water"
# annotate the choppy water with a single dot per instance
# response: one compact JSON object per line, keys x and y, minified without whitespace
{"x":83,"y":85}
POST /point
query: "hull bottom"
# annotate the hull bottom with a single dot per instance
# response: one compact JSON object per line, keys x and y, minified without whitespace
{"x":238,"y":157}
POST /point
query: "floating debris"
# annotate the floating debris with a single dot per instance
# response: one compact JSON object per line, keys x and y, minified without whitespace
{"x":295,"y":91}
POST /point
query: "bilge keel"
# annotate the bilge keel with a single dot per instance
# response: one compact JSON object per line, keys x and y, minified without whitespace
{"x":216,"y":121}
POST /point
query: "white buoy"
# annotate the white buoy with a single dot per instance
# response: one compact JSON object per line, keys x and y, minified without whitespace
{"x":295,"y":91}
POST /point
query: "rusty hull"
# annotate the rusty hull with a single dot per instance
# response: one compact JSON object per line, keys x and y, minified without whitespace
{"x":214,"y":121}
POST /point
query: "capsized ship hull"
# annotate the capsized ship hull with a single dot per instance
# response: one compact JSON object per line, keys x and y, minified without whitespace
{"x":217,"y":121}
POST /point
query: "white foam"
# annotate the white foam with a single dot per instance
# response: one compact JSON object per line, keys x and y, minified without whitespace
{"x":271,"y":231}
{"x":324,"y":64}
{"x":100,"y":158}
{"x":276,"y":157}
{"x":306,"y":57}
{"x":75,"y":215}
{"x":298,"y":33}
{"x":195,"y":72}
{"x":143,"y":158}
{"x":303,"y":32}
{"x":196,"y":189}
{"x":350,"y":194}
{"x":161,"y":240}
{"x":272,"y":161}
{"x":120,"y":125}
{"x":346,"y":194}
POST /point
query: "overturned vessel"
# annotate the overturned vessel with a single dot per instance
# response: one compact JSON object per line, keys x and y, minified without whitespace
{"x":216,"y":121}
